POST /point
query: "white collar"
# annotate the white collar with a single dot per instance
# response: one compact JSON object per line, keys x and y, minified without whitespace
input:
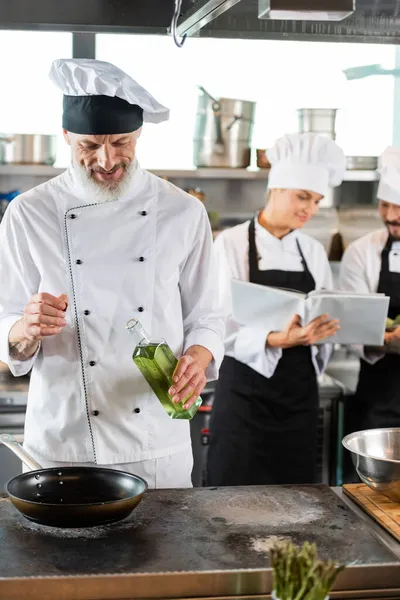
{"x":289,"y":242}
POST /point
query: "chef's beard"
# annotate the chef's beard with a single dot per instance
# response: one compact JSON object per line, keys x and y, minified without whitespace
{"x":393,"y":235}
{"x":99,"y":191}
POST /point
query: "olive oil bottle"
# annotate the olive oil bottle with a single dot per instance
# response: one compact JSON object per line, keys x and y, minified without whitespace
{"x":157,"y":363}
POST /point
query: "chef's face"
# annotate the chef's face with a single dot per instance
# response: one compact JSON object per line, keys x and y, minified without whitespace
{"x":390,"y":215}
{"x":294,"y":208}
{"x":105,"y":158}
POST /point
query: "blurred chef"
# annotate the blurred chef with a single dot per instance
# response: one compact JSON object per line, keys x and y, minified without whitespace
{"x":265,"y":412}
{"x":372,"y":264}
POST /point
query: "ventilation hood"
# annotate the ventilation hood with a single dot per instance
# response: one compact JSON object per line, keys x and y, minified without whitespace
{"x":306,"y":10}
{"x":376,"y":21}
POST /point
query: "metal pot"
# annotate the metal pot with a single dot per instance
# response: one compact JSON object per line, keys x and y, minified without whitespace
{"x":317,"y":120}
{"x":223,"y":132}
{"x":28,"y":149}
{"x":361,"y":163}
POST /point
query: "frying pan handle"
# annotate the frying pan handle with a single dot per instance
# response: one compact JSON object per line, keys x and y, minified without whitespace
{"x":14,"y":446}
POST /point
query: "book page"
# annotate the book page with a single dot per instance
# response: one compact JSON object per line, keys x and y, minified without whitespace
{"x":288,"y":291}
{"x":362,"y":319}
{"x":340,"y":293}
{"x":264,"y":306}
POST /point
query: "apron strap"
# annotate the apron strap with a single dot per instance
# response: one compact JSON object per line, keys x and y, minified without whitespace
{"x":303,"y":260}
{"x":385,"y":260}
{"x":253,"y":255}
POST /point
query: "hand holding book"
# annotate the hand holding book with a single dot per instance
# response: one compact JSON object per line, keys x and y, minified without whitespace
{"x":295,"y":334}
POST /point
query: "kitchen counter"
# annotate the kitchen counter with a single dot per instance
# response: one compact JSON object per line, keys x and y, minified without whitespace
{"x":194,"y":543}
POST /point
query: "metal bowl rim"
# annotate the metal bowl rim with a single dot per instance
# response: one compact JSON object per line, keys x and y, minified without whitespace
{"x":371,"y":431}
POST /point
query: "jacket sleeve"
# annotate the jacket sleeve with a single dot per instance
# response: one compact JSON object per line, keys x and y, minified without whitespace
{"x":203,"y":318}
{"x":19,"y":280}
{"x":321,"y":353}
{"x":353,"y":278}
{"x":248,"y":343}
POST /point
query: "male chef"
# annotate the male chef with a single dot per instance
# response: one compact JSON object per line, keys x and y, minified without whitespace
{"x":82,"y":254}
{"x":372,"y":264}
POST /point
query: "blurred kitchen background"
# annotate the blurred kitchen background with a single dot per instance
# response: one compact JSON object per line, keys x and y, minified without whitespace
{"x":263,"y":89}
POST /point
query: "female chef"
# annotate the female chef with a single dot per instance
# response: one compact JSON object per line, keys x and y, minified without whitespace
{"x":265,"y":413}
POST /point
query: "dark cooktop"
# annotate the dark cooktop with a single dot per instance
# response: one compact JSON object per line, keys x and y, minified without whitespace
{"x":191,"y":530}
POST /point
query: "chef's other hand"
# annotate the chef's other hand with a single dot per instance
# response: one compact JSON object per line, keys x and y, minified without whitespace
{"x":392,"y":340}
{"x":190,"y":377}
{"x":295,"y":335}
{"x":44,"y":316}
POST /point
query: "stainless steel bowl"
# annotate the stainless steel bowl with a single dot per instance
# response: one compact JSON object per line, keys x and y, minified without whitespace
{"x":376,"y":458}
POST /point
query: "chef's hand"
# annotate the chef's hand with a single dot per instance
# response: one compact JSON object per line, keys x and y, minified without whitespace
{"x":190,"y":376}
{"x":44,"y":316}
{"x":392,"y":341}
{"x":295,"y":335}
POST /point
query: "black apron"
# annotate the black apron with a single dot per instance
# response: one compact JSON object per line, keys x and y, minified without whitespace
{"x":377,"y":399}
{"x":263,"y":431}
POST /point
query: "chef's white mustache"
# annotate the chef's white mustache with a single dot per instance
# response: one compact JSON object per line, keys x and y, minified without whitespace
{"x":99,"y":169}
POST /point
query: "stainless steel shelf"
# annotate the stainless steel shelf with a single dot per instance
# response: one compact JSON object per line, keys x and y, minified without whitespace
{"x":213,"y":174}
{"x":45,"y":171}
{"x":29,"y":171}
{"x":361,"y":176}
{"x":244,"y":174}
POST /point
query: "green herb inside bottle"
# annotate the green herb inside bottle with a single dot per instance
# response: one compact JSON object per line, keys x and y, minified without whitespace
{"x":157,"y":363}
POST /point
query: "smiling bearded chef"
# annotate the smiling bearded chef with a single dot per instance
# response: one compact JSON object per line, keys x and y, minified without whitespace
{"x":372,"y":264}
{"x":82,"y":254}
{"x":264,"y":420}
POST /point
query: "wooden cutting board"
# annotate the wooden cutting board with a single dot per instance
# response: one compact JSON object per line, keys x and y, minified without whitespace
{"x":379,"y":507}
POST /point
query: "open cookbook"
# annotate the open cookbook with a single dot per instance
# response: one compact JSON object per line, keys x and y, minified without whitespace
{"x":362,"y":317}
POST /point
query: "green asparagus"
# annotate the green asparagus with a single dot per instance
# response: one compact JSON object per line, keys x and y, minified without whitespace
{"x":299,"y":575}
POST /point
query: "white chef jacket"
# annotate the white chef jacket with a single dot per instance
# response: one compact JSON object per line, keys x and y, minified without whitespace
{"x":247,"y":343}
{"x":87,"y":400}
{"x":359,"y":272}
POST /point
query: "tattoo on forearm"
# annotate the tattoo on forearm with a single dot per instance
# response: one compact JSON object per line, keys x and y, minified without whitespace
{"x":21,"y":351}
{"x":16,"y":349}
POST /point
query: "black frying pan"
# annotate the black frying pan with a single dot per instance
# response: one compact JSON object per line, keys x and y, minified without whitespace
{"x":72,"y":496}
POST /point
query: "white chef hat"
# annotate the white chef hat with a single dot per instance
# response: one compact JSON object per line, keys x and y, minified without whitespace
{"x":389,"y":184}
{"x":101,"y":99}
{"x":306,"y":161}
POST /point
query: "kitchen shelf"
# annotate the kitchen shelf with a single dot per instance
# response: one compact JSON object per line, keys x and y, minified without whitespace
{"x":29,"y":171}
{"x":361,"y":176}
{"x":213,"y":174}
{"x":244,"y":174}
{"x":45,"y":171}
